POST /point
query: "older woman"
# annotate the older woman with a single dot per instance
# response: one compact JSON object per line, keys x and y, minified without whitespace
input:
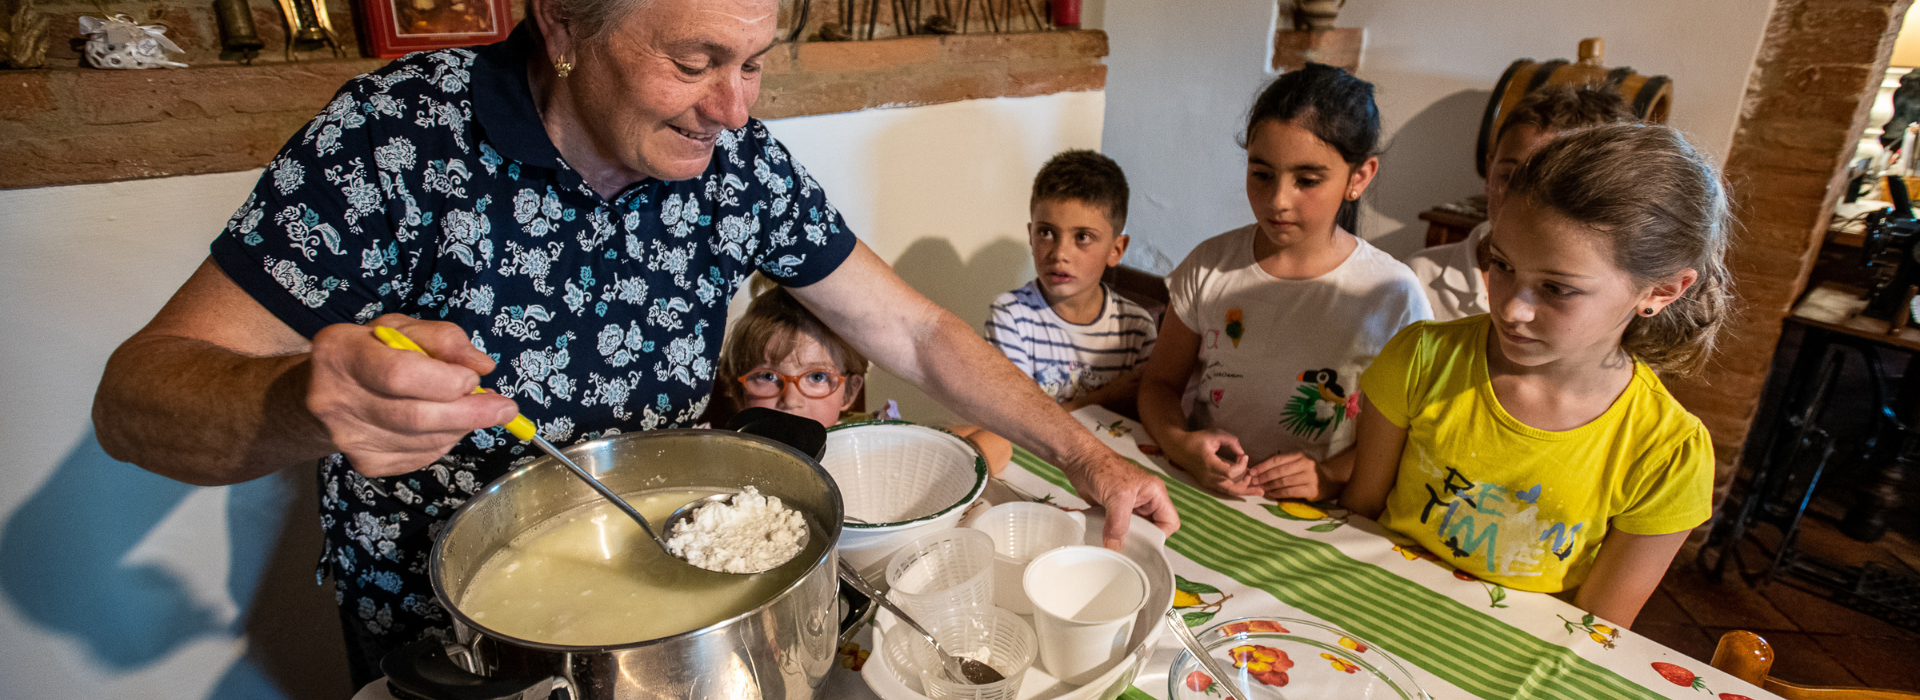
{"x":560,"y":218}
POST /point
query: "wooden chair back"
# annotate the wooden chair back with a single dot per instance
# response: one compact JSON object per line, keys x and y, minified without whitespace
{"x":1746,"y":656}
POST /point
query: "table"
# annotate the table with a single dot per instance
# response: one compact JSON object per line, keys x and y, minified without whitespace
{"x":1464,"y":638}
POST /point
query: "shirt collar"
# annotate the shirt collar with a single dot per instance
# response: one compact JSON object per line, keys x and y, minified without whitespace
{"x":503,"y":100}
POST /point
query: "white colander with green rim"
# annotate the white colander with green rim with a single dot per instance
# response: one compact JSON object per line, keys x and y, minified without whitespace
{"x":899,"y":480}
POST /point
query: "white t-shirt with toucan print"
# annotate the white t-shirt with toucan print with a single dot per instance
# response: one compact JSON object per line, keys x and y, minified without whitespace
{"x":1280,"y":359}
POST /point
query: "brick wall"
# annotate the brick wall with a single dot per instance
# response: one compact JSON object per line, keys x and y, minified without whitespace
{"x":66,"y":124}
{"x":1818,"y":70}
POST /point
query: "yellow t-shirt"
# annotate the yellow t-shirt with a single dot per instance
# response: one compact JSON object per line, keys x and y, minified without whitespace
{"x":1516,"y":505}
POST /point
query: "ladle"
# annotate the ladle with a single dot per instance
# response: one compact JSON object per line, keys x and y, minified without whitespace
{"x":525,"y":430}
{"x":959,"y":669}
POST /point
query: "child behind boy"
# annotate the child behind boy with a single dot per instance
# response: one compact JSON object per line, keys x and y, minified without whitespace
{"x":1534,"y":447}
{"x":780,"y":356}
{"x":1451,"y":273}
{"x":1067,"y":330}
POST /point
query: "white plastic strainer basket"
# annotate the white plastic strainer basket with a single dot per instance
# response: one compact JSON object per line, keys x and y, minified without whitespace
{"x":894,"y":475}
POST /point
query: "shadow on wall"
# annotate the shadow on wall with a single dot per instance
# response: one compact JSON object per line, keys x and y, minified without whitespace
{"x":1429,"y":162}
{"x":66,"y":551}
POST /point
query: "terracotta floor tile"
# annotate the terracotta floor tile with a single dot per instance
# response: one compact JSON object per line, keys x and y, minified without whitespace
{"x":1816,"y":615}
{"x":1727,"y":604}
{"x":1798,"y":658}
{"x":1821,"y":537}
{"x":1880,"y":662}
{"x":1661,"y":610}
{"x":1686,"y":639}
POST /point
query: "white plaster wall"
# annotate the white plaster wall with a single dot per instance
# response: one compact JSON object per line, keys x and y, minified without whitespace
{"x":118,"y":583}
{"x":1180,"y":79}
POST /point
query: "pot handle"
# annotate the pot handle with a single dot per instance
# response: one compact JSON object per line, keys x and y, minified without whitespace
{"x":859,"y":608}
{"x":423,"y":671}
{"x":798,"y":432}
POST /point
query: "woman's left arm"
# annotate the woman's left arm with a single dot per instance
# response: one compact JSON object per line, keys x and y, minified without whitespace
{"x":1629,"y":568}
{"x":901,"y":330}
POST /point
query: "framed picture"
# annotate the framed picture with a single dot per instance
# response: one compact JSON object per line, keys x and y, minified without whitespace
{"x":395,"y":28}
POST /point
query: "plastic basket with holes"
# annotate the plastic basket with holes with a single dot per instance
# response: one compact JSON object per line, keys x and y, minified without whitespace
{"x":899,"y":481}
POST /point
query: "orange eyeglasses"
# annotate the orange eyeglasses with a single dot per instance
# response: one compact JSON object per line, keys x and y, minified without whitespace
{"x":814,"y":384}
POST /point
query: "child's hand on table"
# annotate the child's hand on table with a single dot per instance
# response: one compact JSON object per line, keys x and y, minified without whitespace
{"x":1291,"y":475}
{"x":1215,"y":459}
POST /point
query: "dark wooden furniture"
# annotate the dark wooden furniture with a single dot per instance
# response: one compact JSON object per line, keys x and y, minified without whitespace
{"x":1447,"y":226}
{"x":1800,"y":448}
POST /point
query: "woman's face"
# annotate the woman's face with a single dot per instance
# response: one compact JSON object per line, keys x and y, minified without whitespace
{"x":671,"y":76}
{"x":808,"y":356}
{"x":1554,"y":291}
{"x":1296,"y":182}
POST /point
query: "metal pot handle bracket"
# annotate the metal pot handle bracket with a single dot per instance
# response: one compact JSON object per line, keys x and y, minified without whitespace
{"x":424,"y":671}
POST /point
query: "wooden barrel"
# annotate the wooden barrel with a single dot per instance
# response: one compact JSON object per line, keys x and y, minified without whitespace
{"x":1650,"y":96}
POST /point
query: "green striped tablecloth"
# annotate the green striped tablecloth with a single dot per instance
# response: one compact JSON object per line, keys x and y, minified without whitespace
{"x":1466,"y":638}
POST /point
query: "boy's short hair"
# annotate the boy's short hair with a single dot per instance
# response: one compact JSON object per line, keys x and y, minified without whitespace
{"x":1086,"y":176}
{"x":1566,"y":108}
{"x":771,"y":326}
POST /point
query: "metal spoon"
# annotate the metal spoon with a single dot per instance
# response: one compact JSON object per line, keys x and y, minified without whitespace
{"x":959,"y":669}
{"x":525,"y":430}
{"x":1200,"y":652}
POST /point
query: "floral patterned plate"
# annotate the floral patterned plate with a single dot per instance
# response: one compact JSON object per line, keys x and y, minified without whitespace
{"x":1278,"y":658}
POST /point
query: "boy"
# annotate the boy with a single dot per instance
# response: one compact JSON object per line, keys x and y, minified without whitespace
{"x":1079,"y":340}
{"x":1451,"y":273}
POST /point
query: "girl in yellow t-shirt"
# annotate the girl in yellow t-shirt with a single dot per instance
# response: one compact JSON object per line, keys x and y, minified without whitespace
{"x":1533,"y":446}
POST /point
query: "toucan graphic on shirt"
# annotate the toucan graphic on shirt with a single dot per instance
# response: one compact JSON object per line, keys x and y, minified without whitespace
{"x":1319,"y":404}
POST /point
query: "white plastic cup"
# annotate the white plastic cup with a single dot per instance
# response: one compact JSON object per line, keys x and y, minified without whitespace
{"x":1085,"y":600}
{"x":941,"y":573}
{"x":1021,"y":531}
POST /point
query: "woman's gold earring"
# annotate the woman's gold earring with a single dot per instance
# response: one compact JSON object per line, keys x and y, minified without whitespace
{"x":562,"y":67}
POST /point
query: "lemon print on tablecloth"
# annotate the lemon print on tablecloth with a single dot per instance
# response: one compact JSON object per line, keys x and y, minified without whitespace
{"x":1192,"y":597}
{"x":1307,"y":512}
{"x":1600,"y":634}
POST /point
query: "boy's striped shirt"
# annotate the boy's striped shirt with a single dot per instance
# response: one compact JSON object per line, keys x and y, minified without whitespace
{"x":1066,"y":359}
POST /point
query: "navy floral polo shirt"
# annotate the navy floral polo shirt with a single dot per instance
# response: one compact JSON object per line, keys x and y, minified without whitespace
{"x":430,"y":188}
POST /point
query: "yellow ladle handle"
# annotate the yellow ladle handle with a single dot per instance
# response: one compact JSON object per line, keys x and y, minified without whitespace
{"x":519,"y":426}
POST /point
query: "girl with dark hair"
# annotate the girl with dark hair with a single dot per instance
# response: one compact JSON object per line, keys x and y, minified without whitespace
{"x":1534,"y":446}
{"x":1252,"y":388}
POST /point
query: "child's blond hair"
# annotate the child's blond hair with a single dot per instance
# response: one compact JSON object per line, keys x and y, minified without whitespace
{"x":1663,"y":208}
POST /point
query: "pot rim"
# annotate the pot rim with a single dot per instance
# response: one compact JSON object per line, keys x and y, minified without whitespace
{"x":439,"y":544}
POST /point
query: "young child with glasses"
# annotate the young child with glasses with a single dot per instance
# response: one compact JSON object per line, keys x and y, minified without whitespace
{"x":780,"y":356}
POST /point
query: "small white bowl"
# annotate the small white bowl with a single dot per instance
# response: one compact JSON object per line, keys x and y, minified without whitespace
{"x":899,"y":481}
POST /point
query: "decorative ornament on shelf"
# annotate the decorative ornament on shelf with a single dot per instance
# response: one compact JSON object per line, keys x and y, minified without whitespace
{"x":239,"y":41}
{"x":309,"y":28}
{"x":23,"y":39}
{"x":1316,"y":15}
{"x":117,"y":43}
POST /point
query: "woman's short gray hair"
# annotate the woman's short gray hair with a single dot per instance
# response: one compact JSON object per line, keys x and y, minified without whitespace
{"x":590,"y":20}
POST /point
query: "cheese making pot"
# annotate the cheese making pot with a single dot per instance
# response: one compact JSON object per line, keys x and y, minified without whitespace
{"x":779,"y":650}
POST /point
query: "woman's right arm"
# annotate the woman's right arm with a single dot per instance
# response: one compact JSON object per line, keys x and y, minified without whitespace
{"x":1377,"y":443}
{"x":1197,"y":451}
{"x":217,"y":390}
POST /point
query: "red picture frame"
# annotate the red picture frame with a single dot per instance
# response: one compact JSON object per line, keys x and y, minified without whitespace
{"x":395,"y":28}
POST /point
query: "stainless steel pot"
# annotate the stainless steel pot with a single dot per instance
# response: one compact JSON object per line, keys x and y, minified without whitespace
{"x":779,"y":650}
